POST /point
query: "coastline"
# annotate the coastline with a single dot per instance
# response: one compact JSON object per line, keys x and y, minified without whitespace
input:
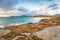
{"x":36,"y":20}
{"x":30,"y":29}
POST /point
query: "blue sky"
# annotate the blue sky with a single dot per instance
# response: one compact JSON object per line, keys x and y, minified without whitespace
{"x":29,"y":7}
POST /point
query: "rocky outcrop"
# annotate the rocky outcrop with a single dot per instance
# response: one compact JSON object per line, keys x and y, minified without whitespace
{"x":50,"y":33}
{"x":4,"y":32}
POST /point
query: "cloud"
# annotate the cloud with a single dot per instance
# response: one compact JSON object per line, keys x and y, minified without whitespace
{"x":5,"y":13}
{"x":53,"y":5}
{"x":28,"y":7}
{"x":8,"y":13}
{"x":14,"y":12}
{"x":8,"y":4}
{"x":50,"y":0}
{"x":23,"y":9}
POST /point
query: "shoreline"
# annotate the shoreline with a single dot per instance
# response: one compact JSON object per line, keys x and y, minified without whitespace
{"x":30,"y":29}
{"x":37,"y":20}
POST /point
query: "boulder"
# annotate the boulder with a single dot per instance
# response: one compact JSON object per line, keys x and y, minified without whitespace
{"x":50,"y":33}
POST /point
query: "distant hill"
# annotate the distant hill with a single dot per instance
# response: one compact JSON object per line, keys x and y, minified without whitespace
{"x":57,"y":15}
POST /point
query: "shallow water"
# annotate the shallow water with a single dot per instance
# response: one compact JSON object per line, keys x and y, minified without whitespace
{"x":6,"y":21}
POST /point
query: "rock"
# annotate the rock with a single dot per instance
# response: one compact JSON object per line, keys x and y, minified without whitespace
{"x":51,"y":33}
{"x":17,"y":37}
{"x":4,"y":32}
{"x":2,"y":39}
{"x":25,"y":33}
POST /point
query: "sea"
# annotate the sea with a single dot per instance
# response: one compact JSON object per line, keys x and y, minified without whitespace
{"x":8,"y":21}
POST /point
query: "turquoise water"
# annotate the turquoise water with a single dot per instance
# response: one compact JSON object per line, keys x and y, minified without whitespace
{"x":6,"y":21}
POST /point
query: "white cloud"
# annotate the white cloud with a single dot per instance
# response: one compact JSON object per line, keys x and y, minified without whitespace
{"x":5,"y":13}
{"x":32,"y":11}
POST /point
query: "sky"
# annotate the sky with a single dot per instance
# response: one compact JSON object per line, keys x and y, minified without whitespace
{"x":29,"y":7}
